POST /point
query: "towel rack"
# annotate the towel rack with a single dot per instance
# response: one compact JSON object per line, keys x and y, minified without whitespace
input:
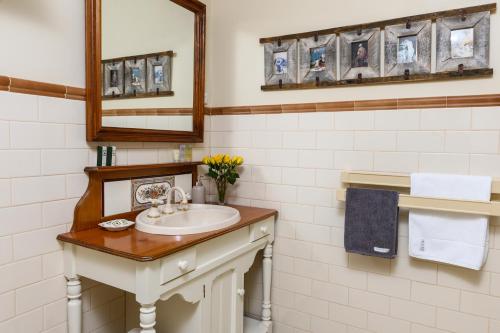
{"x":399,"y":181}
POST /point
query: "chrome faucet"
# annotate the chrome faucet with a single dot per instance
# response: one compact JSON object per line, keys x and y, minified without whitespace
{"x":182,"y":206}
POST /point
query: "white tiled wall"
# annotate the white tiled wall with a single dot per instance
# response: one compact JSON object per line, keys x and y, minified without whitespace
{"x":43,"y":152}
{"x":293,"y":163}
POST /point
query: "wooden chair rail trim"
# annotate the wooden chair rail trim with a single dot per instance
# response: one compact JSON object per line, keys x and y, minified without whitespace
{"x":23,"y":86}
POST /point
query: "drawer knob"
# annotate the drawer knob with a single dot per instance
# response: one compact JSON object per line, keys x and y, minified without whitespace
{"x":241,"y":292}
{"x":263,"y":229}
{"x":183,"y":265}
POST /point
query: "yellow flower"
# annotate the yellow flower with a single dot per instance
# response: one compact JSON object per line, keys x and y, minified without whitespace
{"x":239,"y":160}
{"x":227,"y":159}
{"x":218,"y":158}
{"x":205,"y":160}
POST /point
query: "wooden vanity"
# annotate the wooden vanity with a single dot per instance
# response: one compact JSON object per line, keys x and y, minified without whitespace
{"x":206,"y":269}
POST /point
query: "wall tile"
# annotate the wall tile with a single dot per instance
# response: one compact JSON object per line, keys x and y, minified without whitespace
{"x":414,"y":312}
{"x":286,"y":158}
{"x":319,"y":325}
{"x":20,"y":273}
{"x":353,"y":160}
{"x":354,"y":120}
{"x":5,"y":192}
{"x":461,"y":278}
{"x":142,"y":156}
{"x":329,"y":254}
{"x":369,"y":301}
{"x":267,"y":140}
{"x":377,"y":141}
{"x":20,"y":107}
{"x":480,"y":305}
{"x":282,"y":122}
{"x":298,"y":213}
{"x":445,"y":119}
{"x":348,"y":315}
{"x":282,"y":193}
{"x":76,"y":185}
{"x":41,"y":241}
{"x":4,"y":135}
{"x":330,"y":292}
{"x":293,"y":283}
{"x":321,"y":159}
{"x":312,"y":233}
{"x":384,"y":324}
{"x":61,"y":111}
{"x":24,"y":135}
{"x":335,"y":140}
{"x":312,"y":306}
{"x":55,"y":313}
{"x":479,"y":142}
{"x":5,"y":249}
{"x":53,"y":135}
{"x":7,"y":306}
{"x":486,"y":118}
{"x":435,"y":295}
{"x":315,"y":196}
{"x":64,"y":161}
{"x":30,"y":322}
{"x":76,"y":136}
{"x":40,"y":293}
{"x":299,"y":140}
{"x":316,"y":121}
{"x":395,"y":162}
{"x":348,"y":277}
{"x":37,"y":189}
{"x":486,"y":165}
{"x":460,"y":322}
{"x":298,"y":176}
{"x":231,"y":139}
{"x":19,"y":163}
{"x":399,"y":120}
{"x":421,"y":141}
{"x":20,"y":219}
{"x":52,"y":264}
{"x":444,"y":163}
{"x":58,"y":212}
{"x":389,"y":286}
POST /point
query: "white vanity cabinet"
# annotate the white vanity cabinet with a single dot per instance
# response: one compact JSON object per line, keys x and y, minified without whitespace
{"x":209,"y":274}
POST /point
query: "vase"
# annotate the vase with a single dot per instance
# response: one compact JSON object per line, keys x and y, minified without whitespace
{"x":221,"y":191}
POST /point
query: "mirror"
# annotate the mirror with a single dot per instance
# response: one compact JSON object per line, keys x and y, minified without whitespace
{"x":146,"y":70}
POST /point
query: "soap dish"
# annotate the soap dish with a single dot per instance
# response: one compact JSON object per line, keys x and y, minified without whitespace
{"x":116,"y":225}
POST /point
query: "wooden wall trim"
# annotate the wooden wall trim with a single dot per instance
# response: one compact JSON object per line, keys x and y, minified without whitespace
{"x":148,"y":112}
{"x":363,"y":105}
{"x":23,"y":86}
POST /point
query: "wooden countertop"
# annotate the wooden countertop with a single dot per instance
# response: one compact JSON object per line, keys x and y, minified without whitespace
{"x":140,"y":246}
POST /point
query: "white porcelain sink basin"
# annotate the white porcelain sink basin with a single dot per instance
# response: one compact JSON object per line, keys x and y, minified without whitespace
{"x":197,"y":219}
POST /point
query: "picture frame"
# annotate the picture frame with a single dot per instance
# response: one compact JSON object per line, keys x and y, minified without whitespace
{"x":463,"y":40}
{"x":280,"y":62}
{"x":113,"y":85}
{"x":360,"y":54}
{"x":318,"y":59}
{"x":159,"y":73}
{"x":408,"y":47}
{"x":135,"y":76}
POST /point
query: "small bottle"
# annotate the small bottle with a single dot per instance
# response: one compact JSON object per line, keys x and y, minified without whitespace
{"x":198,"y":192}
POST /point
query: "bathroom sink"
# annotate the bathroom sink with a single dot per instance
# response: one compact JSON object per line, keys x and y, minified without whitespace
{"x":197,"y":219}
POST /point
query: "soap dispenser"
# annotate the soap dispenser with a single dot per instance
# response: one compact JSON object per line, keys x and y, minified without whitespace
{"x":198,"y":192}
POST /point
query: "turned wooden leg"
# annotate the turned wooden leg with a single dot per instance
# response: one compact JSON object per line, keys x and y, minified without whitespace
{"x":148,"y":318}
{"x":267,"y":264}
{"x":74,"y":294}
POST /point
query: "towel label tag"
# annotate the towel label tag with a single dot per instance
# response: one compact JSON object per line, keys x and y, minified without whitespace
{"x":380,"y":249}
{"x":422,"y":245}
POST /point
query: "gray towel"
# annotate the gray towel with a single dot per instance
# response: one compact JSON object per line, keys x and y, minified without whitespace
{"x":371,"y":222}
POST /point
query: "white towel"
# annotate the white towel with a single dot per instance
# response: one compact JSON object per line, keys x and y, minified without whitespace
{"x":452,"y":238}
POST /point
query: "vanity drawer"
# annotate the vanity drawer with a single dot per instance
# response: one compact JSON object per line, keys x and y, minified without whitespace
{"x":261,"y":229}
{"x":178,"y":264}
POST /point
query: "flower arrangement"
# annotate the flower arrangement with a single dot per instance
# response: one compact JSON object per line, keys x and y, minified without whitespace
{"x":223,"y":169}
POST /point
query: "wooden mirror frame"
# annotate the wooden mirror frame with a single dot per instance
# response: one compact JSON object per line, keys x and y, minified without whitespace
{"x":95,"y":130}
